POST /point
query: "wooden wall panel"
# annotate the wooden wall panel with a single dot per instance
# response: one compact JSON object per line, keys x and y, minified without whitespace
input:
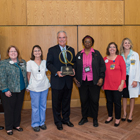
{"x":75,"y":12}
{"x":12,"y":12}
{"x":103,"y":35}
{"x":132,"y":12}
{"x":25,"y":37}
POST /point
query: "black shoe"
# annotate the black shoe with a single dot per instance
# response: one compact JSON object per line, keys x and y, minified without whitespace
{"x":116,"y":124}
{"x":36,"y":129}
{"x":18,"y":129}
{"x":1,"y":127}
{"x":43,"y":127}
{"x":68,"y":124}
{"x":128,"y":120}
{"x":10,"y":133}
{"x":95,"y":123}
{"x":83,"y":120}
{"x":123,"y":119}
{"x":109,"y":120}
{"x":59,"y":127}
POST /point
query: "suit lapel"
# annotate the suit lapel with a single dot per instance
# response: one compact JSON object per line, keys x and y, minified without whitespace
{"x":59,"y":51}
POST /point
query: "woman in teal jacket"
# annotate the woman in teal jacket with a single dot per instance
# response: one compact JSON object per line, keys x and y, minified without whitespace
{"x":13,"y":82}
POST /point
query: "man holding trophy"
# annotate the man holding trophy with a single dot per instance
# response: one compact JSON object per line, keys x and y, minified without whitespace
{"x":60,"y":61}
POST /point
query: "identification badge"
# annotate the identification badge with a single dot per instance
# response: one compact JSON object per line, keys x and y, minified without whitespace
{"x":106,"y":61}
{"x":132,"y":62}
{"x":87,"y":69}
{"x":39,"y":76}
{"x":112,"y":66}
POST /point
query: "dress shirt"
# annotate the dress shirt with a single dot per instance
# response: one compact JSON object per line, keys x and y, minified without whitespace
{"x":87,"y":62}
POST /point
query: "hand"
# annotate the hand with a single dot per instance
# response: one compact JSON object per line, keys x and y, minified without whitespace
{"x":76,"y":82}
{"x":120,"y":88}
{"x":73,"y":72}
{"x":59,"y":74}
{"x":100,"y":82}
{"x":27,"y":90}
{"x":134,"y":84}
{"x":8,"y":94}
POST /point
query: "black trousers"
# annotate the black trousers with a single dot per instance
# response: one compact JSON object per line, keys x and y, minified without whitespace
{"x":113,"y":97}
{"x":89,"y":96}
{"x":12,"y":109}
{"x":61,"y":103}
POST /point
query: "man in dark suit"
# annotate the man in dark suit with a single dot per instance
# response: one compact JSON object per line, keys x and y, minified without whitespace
{"x":61,"y":85}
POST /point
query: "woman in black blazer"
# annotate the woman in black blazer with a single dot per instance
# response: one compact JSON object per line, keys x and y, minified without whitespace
{"x":89,"y":75}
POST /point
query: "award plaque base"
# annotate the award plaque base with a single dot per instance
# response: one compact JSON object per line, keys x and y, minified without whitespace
{"x":67,"y":70}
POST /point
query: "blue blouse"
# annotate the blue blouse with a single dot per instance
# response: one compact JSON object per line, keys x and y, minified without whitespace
{"x":127,"y":61}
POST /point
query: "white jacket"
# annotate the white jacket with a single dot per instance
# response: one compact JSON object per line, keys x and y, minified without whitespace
{"x":134,"y":76}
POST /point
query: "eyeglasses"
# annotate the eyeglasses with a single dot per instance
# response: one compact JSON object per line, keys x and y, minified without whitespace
{"x":12,"y":51}
{"x":37,"y":51}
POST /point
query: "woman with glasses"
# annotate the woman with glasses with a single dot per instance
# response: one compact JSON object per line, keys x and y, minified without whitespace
{"x":38,"y":87}
{"x":13,"y":81}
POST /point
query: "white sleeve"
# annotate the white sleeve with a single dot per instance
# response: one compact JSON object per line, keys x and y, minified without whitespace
{"x":45,"y":64}
{"x":137,"y":68}
{"x":29,"y":66}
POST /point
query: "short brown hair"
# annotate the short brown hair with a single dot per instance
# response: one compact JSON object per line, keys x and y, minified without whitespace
{"x":19,"y":56}
{"x":107,"y":50}
{"x":32,"y":55}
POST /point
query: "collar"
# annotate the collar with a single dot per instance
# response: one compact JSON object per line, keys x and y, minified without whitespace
{"x":61,"y":48}
{"x":91,"y":50}
{"x":130,"y":53}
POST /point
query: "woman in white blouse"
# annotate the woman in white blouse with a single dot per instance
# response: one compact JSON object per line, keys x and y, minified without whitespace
{"x":38,"y":87}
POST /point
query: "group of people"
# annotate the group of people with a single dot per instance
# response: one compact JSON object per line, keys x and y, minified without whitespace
{"x":117,"y":74}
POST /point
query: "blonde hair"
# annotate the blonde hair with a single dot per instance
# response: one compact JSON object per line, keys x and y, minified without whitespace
{"x":122,"y":48}
{"x":19,"y":56}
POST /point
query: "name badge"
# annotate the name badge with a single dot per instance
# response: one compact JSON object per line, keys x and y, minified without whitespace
{"x":106,"y":61}
{"x":87,"y":69}
{"x":112,"y":66}
{"x":39,"y":76}
{"x":132,"y":62}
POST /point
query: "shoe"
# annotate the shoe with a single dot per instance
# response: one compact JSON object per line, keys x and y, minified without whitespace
{"x":83,"y":120}
{"x":59,"y":127}
{"x":109,"y":120}
{"x":128,"y":120}
{"x":116,"y":124}
{"x":10,"y":133}
{"x":124,"y":118}
{"x":36,"y":129}
{"x":43,"y":127}
{"x":68,"y":124}
{"x":18,"y":129}
{"x":1,"y":127}
{"x":95,"y":123}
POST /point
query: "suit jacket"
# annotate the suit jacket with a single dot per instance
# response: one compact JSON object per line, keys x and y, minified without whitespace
{"x":53,"y":64}
{"x":98,"y":66}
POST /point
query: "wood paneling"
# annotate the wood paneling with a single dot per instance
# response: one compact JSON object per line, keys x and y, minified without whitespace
{"x":12,"y":12}
{"x":103,"y":35}
{"x":75,"y":12}
{"x":25,"y":37}
{"x":132,"y":12}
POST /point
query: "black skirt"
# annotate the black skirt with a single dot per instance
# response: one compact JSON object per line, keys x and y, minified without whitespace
{"x":125,"y":90}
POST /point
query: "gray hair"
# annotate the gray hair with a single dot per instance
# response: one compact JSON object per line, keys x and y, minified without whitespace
{"x":62,"y":32}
